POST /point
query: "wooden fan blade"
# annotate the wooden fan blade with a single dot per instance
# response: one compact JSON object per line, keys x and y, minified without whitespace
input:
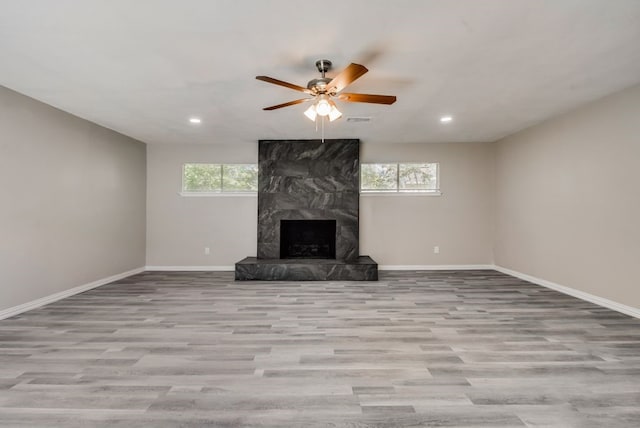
{"x":290,"y":103}
{"x":283,"y":83}
{"x":346,"y":77}
{"x":367,"y":98}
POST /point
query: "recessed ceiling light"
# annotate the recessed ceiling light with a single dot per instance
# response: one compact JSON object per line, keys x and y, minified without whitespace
{"x":446,"y":119}
{"x":195,"y":120}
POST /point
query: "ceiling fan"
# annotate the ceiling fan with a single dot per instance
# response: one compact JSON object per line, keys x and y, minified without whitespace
{"x":322,"y":90}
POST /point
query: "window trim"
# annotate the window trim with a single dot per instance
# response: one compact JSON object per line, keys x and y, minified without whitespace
{"x":397,"y":191}
{"x":249,"y":193}
{"x":395,"y":194}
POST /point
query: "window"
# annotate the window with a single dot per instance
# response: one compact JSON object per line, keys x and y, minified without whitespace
{"x":201,"y":178}
{"x":399,"y":177}
{"x":379,"y":177}
{"x":418,"y":177}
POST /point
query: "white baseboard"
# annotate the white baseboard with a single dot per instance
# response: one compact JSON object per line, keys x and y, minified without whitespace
{"x":380,"y":267}
{"x":435,"y":267}
{"x":191,"y":268}
{"x":6,"y":313}
{"x":601,"y":301}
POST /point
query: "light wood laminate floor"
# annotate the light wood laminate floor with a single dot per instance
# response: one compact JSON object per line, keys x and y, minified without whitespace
{"x":447,"y":348}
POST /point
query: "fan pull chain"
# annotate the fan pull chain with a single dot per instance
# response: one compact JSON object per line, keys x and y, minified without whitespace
{"x":322,"y":129}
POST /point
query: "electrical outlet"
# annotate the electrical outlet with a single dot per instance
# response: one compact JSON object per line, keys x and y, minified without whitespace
{"x":207,"y":251}
{"x":436,"y":250}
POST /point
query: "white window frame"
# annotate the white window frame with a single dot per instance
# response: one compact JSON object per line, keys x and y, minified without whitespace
{"x":218,"y":193}
{"x":397,"y":191}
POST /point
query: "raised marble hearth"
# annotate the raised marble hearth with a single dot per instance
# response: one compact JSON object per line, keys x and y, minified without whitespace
{"x":253,"y":269}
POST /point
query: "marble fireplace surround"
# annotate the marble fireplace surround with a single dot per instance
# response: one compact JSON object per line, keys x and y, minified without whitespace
{"x":308,"y":180}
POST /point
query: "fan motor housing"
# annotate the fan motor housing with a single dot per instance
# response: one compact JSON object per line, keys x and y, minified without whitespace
{"x":319,"y":85}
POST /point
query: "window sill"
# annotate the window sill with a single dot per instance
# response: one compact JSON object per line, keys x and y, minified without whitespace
{"x":401,"y":194}
{"x":218,"y":194}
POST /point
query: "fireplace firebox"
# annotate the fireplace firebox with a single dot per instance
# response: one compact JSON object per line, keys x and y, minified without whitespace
{"x":307,"y":239}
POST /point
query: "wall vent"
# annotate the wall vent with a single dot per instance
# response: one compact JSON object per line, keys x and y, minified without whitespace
{"x":355,"y":119}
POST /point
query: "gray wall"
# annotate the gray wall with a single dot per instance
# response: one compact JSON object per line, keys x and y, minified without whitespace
{"x":402,"y":230}
{"x":180,"y":227}
{"x":73,"y":201}
{"x":563,"y":204}
{"x":568,"y":199}
{"x":393,"y":230}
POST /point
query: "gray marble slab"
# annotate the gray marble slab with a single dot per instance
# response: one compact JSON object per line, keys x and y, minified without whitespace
{"x":308,"y":179}
{"x":253,"y":269}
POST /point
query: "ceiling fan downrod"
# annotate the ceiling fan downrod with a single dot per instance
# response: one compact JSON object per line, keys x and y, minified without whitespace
{"x":323,"y":65}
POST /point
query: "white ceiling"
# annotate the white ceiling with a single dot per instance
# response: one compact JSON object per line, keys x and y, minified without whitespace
{"x":143,"y":67}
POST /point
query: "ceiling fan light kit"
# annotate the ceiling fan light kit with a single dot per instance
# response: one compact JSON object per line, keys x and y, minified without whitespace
{"x":322,"y":105}
{"x":334,"y":113}
{"x":311,"y":113}
{"x":323,"y":89}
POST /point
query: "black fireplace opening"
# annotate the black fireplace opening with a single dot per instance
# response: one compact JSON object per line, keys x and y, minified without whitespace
{"x":307,"y":239}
